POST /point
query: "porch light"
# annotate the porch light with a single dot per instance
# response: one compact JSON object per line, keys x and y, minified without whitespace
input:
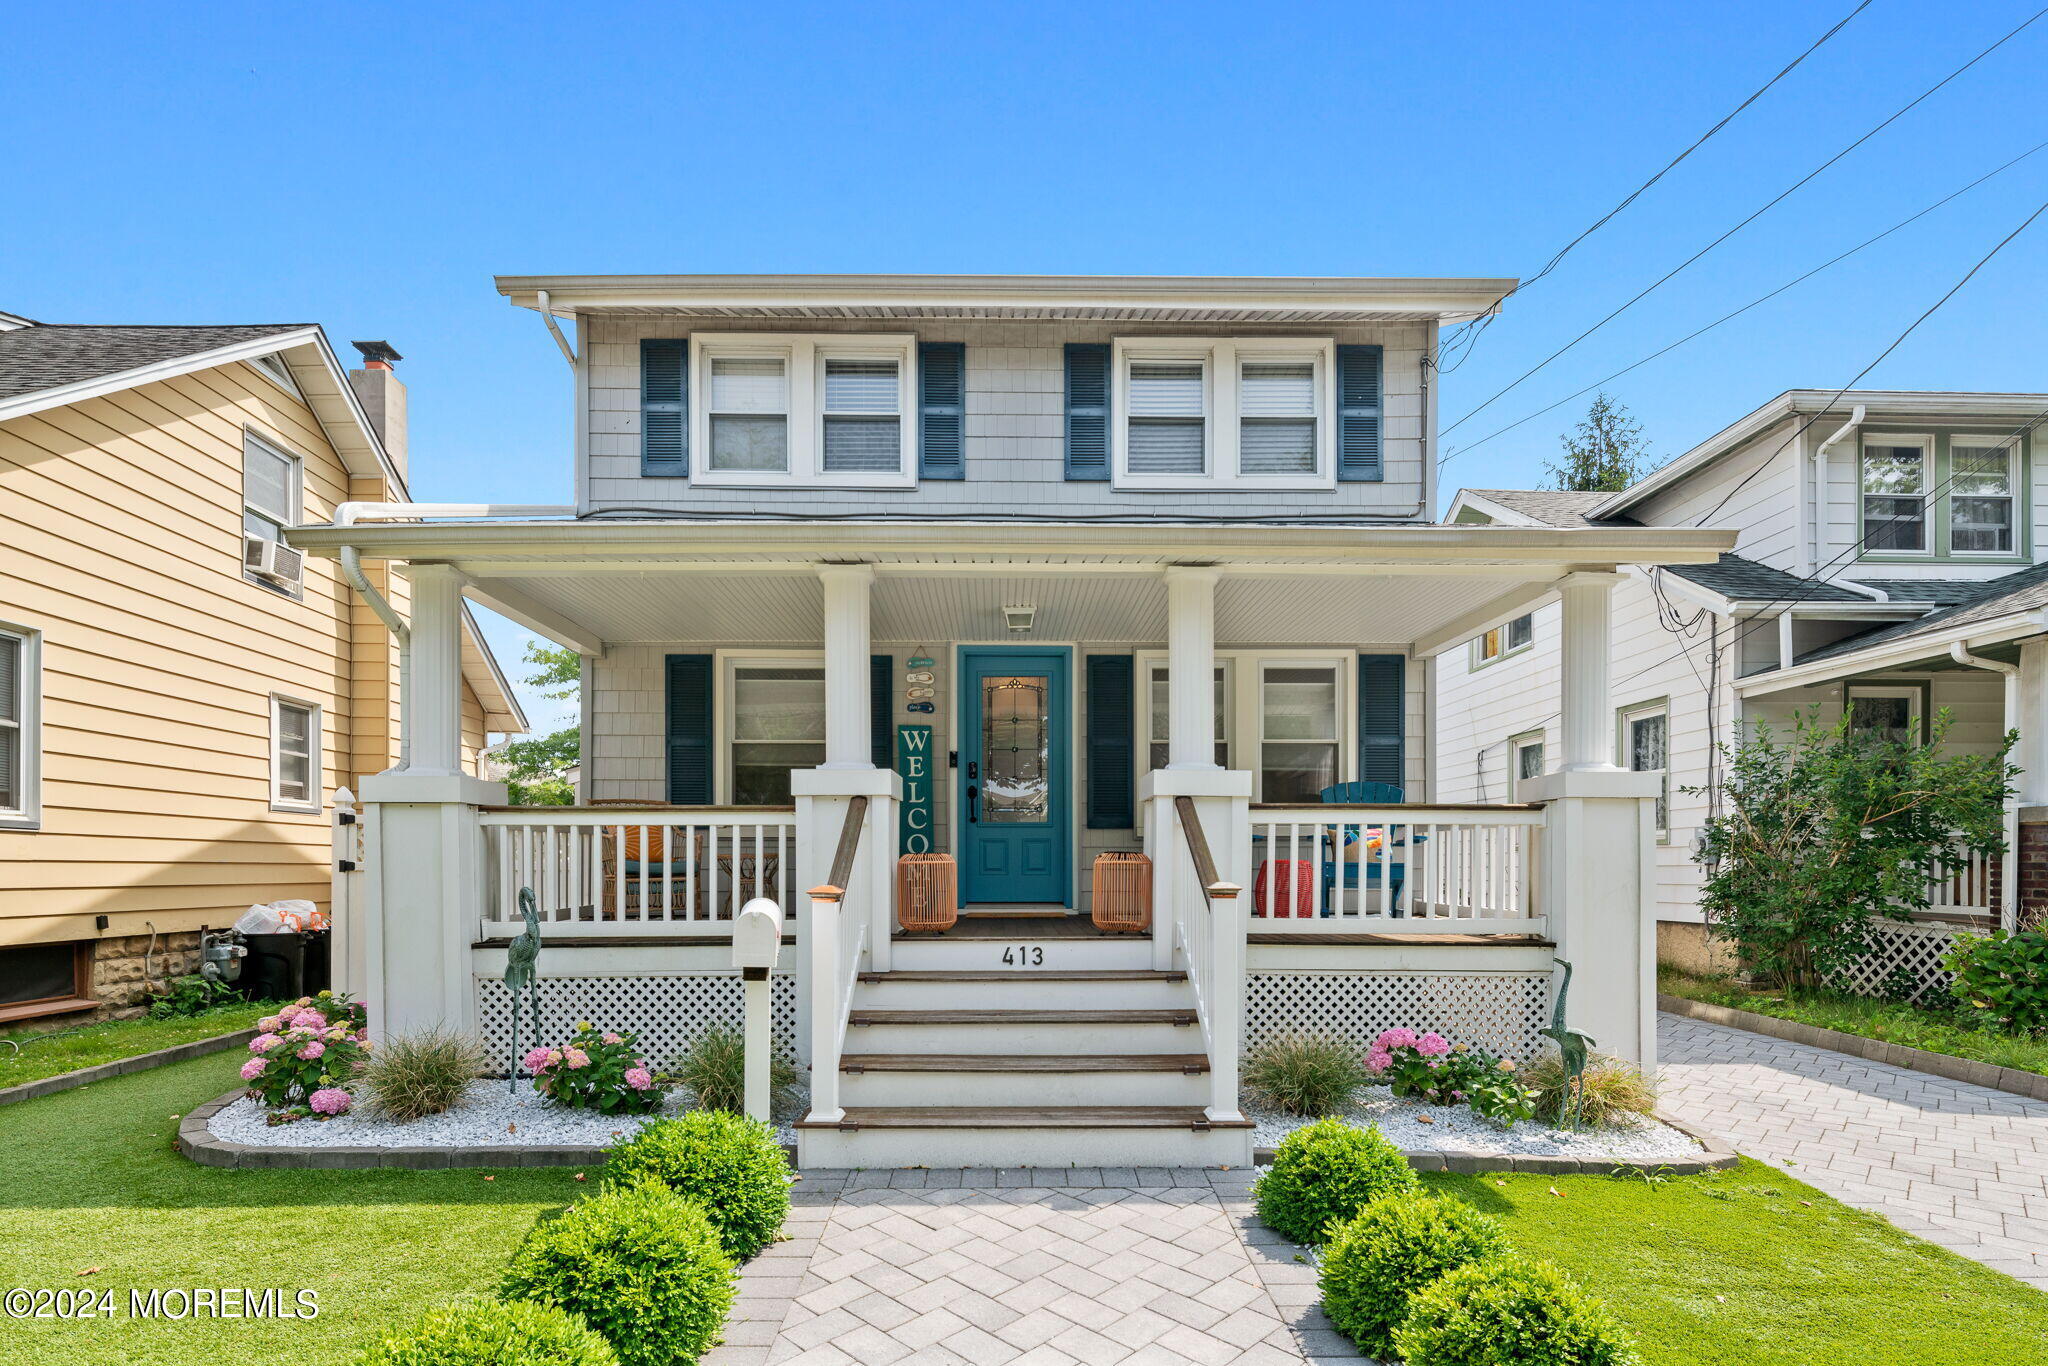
{"x":1018,"y":617}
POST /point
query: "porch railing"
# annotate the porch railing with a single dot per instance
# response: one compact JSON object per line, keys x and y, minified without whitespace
{"x":1344,"y":869}
{"x":838,"y":941}
{"x":1210,"y":930}
{"x":1964,"y":890}
{"x":598,"y":871}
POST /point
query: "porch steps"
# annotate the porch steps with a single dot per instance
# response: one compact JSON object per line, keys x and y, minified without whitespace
{"x":1022,"y":1017}
{"x":1014,"y":1062}
{"x":1088,"y":975}
{"x":1024,"y":1117}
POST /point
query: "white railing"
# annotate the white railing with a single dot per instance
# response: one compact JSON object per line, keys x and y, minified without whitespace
{"x":1964,"y":890}
{"x":624,"y":871}
{"x":1341,"y":869}
{"x":1208,"y":924}
{"x":838,"y":939}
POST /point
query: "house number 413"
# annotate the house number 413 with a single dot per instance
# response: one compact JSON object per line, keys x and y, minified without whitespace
{"x":1024,"y":955}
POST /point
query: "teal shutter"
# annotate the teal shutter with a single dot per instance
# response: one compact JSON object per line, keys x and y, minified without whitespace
{"x":665,"y":407}
{"x":942,"y":410}
{"x":1112,"y":714}
{"x":1087,"y":410}
{"x":689,"y":729}
{"x":1382,"y":714}
{"x":882,"y":710}
{"x":1358,"y":414}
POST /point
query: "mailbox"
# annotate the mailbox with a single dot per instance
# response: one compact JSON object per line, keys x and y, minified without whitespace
{"x":757,"y":937}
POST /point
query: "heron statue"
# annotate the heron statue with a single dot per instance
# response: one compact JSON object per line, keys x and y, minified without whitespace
{"x":519,"y":973}
{"x":1571,"y":1047}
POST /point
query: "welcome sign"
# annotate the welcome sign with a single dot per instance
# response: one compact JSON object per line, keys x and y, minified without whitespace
{"x":914,"y":766}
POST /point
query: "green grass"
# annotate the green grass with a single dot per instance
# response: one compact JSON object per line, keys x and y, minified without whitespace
{"x":90,"y":1178}
{"x":1751,"y":1268}
{"x":1912,"y":1026}
{"x":48,"y":1052}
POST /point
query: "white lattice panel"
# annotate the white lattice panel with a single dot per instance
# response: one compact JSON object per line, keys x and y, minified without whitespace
{"x":1497,"y":1011}
{"x":667,"y":1012}
{"x":1895,"y":946}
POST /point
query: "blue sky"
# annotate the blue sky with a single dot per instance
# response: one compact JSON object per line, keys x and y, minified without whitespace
{"x":370,"y":167}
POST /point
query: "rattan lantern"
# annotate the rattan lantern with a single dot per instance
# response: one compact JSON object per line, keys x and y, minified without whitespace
{"x":1123,"y":892}
{"x":927,"y":892}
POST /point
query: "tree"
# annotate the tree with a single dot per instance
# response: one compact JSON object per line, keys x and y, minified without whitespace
{"x":1605,"y":455}
{"x":1828,"y":829}
{"x":536,"y":770}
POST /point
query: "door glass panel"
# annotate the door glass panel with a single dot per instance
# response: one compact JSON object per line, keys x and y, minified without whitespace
{"x":1016,"y":749}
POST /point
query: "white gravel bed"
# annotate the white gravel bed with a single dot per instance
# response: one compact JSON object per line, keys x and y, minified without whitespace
{"x":1455,"y":1129}
{"x":489,"y":1117}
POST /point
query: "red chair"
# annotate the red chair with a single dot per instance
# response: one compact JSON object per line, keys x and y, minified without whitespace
{"x":1287,"y":887}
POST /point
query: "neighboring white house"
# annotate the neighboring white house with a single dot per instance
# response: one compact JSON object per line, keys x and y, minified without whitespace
{"x":1024,"y":570}
{"x":1887,"y":561}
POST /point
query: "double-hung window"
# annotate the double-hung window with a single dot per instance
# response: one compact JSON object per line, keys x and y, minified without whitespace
{"x":1981,"y":497}
{"x":1207,"y":413}
{"x":1160,"y":707}
{"x":294,"y":755}
{"x":1645,"y":742}
{"x":1887,"y":711}
{"x":1895,"y":491}
{"x":788,"y":410}
{"x":20,"y":746}
{"x":778,"y":724}
{"x":270,"y":488}
{"x":1298,"y":730}
{"x":1528,"y":763}
{"x":1504,"y":640}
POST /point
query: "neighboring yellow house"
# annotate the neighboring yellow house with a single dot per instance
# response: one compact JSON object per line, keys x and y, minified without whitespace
{"x":181,"y":694}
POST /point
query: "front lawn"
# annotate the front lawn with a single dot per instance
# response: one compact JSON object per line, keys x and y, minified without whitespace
{"x":50,"y":1051}
{"x":1751,"y":1268}
{"x":1911,"y":1026}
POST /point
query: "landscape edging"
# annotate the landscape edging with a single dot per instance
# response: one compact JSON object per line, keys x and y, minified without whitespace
{"x":121,"y":1067}
{"x":1989,"y":1075}
{"x":1715,"y":1156}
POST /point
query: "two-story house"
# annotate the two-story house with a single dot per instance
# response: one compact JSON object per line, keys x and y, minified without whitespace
{"x":1021,"y":571}
{"x":1887,"y":565}
{"x":180,"y":692}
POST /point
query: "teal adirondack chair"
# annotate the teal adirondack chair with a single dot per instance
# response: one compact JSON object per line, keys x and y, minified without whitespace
{"x":1370,"y":794}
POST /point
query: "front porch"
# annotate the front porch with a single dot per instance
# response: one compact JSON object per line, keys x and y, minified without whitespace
{"x":1209,"y":697}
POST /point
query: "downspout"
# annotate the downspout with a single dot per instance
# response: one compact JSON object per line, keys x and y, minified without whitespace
{"x":1820,"y":483}
{"x":352,"y":568}
{"x":2008,"y":862}
{"x":548,"y":317}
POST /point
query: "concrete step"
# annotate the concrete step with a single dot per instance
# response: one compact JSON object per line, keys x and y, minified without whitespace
{"x":1006,"y":1079}
{"x":1019,"y":1032}
{"x":1021,"y":954}
{"x":1010,"y":1136}
{"x":1135,"y":988}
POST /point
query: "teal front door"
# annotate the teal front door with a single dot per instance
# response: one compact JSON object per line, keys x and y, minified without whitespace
{"x":1016,"y":839}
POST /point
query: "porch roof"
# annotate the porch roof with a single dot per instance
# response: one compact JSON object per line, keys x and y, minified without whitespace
{"x":592,"y":583}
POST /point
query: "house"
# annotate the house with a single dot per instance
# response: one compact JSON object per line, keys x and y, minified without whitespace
{"x":179,"y":694}
{"x":1022,"y":571}
{"x":1887,"y":562}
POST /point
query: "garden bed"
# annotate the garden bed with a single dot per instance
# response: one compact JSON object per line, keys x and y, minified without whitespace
{"x":1452,"y":1138}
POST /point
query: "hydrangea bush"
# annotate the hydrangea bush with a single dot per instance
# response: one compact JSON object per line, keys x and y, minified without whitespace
{"x":307,"y":1056}
{"x":598,"y":1069}
{"x":1429,"y":1068}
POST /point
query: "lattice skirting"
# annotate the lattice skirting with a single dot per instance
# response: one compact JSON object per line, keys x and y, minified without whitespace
{"x":667,"y":1011}
{"x":1901,"y":947}
{"x":1497,"y":1011}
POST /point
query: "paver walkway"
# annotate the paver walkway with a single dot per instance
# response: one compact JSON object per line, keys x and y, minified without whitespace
{"x":1044,"y":1267}
{"x":1959,"y":1165}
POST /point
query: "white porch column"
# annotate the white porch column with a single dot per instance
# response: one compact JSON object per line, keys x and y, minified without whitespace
{"x":1586,"y":723}
{"x":847,"y":715}
{"x":1191,"y":667}
{"x":2031,"y":754}
{"x":434,"y":702}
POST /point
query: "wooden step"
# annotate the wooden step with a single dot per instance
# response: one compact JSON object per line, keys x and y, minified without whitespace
{"x":1012,"y":1062}
{"x":1020,"y":1017}
{"x":1024,"y":1117}
{"x":1028,"y":975}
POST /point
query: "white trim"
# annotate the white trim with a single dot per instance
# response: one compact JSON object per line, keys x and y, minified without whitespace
{"x":316,"y":739}
{"x":803,"y":355}
{"x":281,"y":376}
{"x":1144,"y":661}
{"x":28,"y":815}
{"x":1221,"y":359}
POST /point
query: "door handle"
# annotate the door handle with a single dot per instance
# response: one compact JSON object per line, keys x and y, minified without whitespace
{"x":972,"y":793}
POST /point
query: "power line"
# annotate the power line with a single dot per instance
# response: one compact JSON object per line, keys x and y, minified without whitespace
{"x":1771,"y":204}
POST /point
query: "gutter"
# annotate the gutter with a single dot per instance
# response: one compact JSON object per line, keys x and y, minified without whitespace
{"x":2015,"y":626}
{"x":568,"y":351}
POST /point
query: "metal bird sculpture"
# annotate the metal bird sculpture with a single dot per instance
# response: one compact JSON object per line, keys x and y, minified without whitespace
{"x":1571,"y":1047}
{"x":520,"y":973}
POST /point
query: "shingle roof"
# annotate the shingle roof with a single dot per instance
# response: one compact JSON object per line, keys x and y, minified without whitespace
{"x":1552,"y":506}
{"x":2018,"y":591}
{"x":52,"y":355}
{"x":1745,"y":580}
{"x":1942,"y":591}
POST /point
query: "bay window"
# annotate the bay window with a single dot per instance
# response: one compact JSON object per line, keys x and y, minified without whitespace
{"x":1895,"y":484}
{"x":1198,"y":413}
{"x":783,"y":409}
{"x":1981,"y":500}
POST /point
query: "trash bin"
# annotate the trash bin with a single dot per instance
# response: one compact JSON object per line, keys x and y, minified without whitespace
{"x":275,"y":969}
{"x":319,"y":962}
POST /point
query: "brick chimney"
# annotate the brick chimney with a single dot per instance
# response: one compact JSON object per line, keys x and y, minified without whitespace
{"x":382,"y":394}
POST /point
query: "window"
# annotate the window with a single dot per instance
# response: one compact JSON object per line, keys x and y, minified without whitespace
{"x":1895,"y":487}
{"x":20,"y":743}
{"x":1888,"y":711}
{"x":1528,"y":763}
{"x":270,"y":489}
{"x":1980,"y":506}
{"x":778,"y":723}
{"x":294,"y":755}
{"x":45,"y":979}
{"x":1160,"y":710}
{"x":1504,"y":640}
{"x":1207,"y":412}
{"x":788,"y":409}
{"x":1644,"y":740}
{"x":1298,"y":735}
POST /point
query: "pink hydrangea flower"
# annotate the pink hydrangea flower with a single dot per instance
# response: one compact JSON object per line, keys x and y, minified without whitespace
{"x":262,"y":1043}
{"x":310,"y":1019}
{"x":1433,"y":1063}
{"x":535,"y":1060}
{"x":270,"y":1024}
{"x":575,"y":1057}
{"x":613,"y":1038}
{"x":1433,"y":1045}
{"x":639,"y":1078}
{"x":252,"y":1069}
{"x":311,"y":1051}
{"x":1395,"y":1038}
{"x":329,"y":1100}
{"x":1379,"y":1060}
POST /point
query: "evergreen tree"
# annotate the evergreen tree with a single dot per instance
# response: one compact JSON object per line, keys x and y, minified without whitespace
{"x":1605,"y":455}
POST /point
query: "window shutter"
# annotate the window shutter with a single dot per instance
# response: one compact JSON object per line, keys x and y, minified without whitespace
{"x":1087,"y":410}
{"x":665,"y":407}
{"x":689,"y":730}
{"x":1358,"y":414}
{"x":1112,"y":712}
{"x":1382,"y":712}
{"x":942,"y":410}
{"x":882,"y":710}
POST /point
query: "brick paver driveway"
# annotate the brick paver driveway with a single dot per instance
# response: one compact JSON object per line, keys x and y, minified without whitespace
{"x":1957,"y":1164}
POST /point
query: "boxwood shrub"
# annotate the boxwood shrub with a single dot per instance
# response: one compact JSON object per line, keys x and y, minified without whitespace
{"x":1511,"y":1312}
{"x":730,"y":1165}
{"x":492,"y":1334}
{"x":1391,"y":1249}
{"x":1327,"y":1171}
{"x":642,"y":1265}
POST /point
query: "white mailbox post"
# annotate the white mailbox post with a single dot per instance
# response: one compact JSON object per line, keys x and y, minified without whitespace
{"x":756,"y":939}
